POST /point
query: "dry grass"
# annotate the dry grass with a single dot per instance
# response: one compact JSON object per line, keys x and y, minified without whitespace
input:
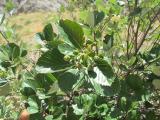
{"x":27,"y":25}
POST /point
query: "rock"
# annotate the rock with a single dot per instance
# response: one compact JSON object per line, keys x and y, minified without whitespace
{"x":35,"y":5}
{"x":40,"y":5}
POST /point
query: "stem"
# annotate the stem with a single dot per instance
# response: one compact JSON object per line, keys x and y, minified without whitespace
{"x":94,"y":36}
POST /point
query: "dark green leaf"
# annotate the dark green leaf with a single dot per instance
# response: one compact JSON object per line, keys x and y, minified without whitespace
{"x":45,"y":80}
{"x":134,"y":82}
{"x":109,"y":41}
{"x":40,"y":36}
{"x":155,"y":50}
{"x":68,"y":79}
{"x":23,"y":53}
{"x":48,"y":33}
{"x":29,"y":87}
{"x":15,"y":50}
{"x":104,"y":67}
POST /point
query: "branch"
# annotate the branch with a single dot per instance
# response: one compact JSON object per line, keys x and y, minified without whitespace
{"x":136,"y":36}
{"x":127,"y":41}
{"x":146,"y":32}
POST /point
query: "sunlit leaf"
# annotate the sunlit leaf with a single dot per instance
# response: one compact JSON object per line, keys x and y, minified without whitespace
{"x":74,"y":32}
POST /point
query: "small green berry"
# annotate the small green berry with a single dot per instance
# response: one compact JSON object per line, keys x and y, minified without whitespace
{"x":67,"y":58}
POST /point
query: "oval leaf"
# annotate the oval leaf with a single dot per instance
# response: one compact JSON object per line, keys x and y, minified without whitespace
{"x":53,"y":59}
{"x":48,"y":33}
{"x":74,"y":32}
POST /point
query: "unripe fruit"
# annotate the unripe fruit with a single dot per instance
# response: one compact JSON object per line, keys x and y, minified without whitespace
{"x":101,"y":55}
{"x":67,"y":58}
{"x":94,"y":43}
{"x":78,"y":65}
{"x":75,"y":52}
{"x":24,"y":115}
{"x":85,"y":57}
{"x":89,"y":47}
{"x":89,"y":42}
{"x":96,"y":57}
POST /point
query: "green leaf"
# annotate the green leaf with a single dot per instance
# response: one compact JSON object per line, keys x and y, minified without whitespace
{"x":155,"y":69}
{"x":101,"y":77}
{"x":66,"y":49}
{"x":54,"y":60}
{"x":105,"y":68}
{"x":134,"y":82}
{"x":74,"y":32}
{"x":23,"y":53}
{"x":94,"y":18}
{"x":54,"y":43}
{"x":132,"y":61}
{"x":101,"y":84}
{"x":68,"y":79}
{"x":77,"y":110}
{"x":10,"y":51}
{"x":45,"y":80}
{"x":36,"y":116}
{"x":88,"y":100}
{"x":97,"y":87}
{"x":2,"y":81}
{"x":15,"y":50}
{"x":29,"y":87}
{"x":156,"y":83}
{"x":5,"y":89}
{"x":10,"y":55}
{"x":48,"y":33}
{"x":39,"y":37}
{"x":155,"y":50}
{"x":33,"y":106}
{"x":49,"y":117}
{"x":108,"y":41}
{"x":103,"y":108}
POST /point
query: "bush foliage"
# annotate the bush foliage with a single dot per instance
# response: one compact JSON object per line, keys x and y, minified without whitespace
{"x":103,"y":65}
